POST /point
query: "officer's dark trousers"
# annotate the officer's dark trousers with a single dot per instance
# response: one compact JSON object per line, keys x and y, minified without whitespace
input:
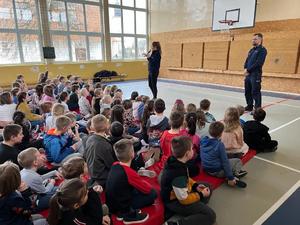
{"x":252,"y":90}
{"x":152,"y":81}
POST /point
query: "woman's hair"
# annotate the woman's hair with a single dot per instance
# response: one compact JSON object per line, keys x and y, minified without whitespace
{"x":63,"y":96}
{"x":231,"y":119}
{"x":48,"y":90}
{"x":39,"y":90}
{"x":201,"y":119}
{"x":117,"y":113}
{"x":10,"y":178}
{"x":18,"y":117}
{"x":156,"y":44}
{"x":5,"y":98}
{"x":191,"y":122}
{"x":69,"y":193}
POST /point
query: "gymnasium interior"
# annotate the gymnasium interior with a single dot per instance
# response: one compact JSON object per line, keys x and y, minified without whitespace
{"x":204,"y":46}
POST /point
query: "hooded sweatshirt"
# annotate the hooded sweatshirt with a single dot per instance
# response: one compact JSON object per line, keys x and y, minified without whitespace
{"x":156,"y":125}
{"x":256,"y":134}
{"x":177,"y":185}
{"x":15,"y":208}
{"x":214,"y":157}
{"x":57,"y":147}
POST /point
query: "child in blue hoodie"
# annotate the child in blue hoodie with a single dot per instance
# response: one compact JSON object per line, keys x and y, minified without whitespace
{"x":214,"y":158}
{"x":58,"y":144}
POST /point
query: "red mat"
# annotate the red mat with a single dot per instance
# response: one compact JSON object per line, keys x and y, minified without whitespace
{"x":216,"y":182}
{"x":156,"y":211}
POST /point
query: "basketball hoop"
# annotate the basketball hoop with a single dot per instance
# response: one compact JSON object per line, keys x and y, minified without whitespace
{"x":228,"y":24}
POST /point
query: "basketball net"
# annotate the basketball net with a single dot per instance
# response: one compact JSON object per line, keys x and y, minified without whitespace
{"x":227,"y":26}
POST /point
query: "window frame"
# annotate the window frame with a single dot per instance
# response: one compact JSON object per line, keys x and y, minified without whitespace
{"x":68,"y":33}
{"x":24,"y":31}
{"x":135,"y":35}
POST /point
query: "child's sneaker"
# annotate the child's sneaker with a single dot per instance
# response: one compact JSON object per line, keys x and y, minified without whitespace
{"x":135,"y":218}
{"x":241,"y":173}
{"x":240,"y":184}
{"x":146,"y":173}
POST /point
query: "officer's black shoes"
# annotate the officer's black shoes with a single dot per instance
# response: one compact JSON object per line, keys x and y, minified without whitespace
{"x":248,"y":108}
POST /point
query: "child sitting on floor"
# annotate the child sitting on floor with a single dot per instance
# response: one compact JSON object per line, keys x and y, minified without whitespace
{"x":15,"y":203}
{"x":214,"y":158}
{"x":256,"y":134}
{"x":74,"y":203}
{"x":98,"y":152}
{"x":136,"y":193}
{"x":181,"y":194}
{"x":190,"y":131}
{"x":57,"y":110}
{"x":41,"y":185}
{"x":232,"y":136}
{"x":157,"y":123}
{"x":205,"y":106}
{"x":129,"y":125}
{"x":176,"y":121}
{"x":58,"y":144}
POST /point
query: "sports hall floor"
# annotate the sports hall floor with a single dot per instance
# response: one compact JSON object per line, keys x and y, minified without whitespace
{"x":270,"y":175}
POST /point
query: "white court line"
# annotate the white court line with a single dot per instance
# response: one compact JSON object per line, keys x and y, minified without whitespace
{"x":274,"y":207}
{"x":284,"y":125}
{"x":277,"y":164}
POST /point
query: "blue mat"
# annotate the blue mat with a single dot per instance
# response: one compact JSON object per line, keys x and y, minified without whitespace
{"x":288,"y":213}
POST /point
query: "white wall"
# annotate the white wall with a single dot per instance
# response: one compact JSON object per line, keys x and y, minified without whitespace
{"x":174,"y":15}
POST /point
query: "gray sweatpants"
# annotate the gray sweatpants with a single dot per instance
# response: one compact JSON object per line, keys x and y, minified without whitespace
{"x":236,"y":166}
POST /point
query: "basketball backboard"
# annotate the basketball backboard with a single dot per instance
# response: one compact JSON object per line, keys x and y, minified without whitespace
{"x":241,"y":12}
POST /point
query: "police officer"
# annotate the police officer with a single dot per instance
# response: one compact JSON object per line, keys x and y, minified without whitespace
{"x":253,"y":72}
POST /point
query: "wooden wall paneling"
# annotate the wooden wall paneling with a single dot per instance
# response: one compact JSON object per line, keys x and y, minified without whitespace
{"x":238,"y":54}
{"x":192,"y":55}
{"x":172,"y":55}
{"x":215,"y":55}
{"x":282,"y":55}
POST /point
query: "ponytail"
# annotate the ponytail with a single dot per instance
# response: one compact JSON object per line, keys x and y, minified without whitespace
{"x":191,"y":120}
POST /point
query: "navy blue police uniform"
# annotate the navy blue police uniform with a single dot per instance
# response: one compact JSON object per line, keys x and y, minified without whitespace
{"x":253,"y":64}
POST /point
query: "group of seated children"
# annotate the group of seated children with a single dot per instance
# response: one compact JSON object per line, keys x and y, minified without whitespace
{"x":66,"y":144}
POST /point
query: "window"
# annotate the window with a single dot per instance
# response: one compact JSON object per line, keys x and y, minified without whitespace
{"x":19,"y":32}
{"x":128,"y":28}
{"x":76,"y":29}
{"x":60,"y":44}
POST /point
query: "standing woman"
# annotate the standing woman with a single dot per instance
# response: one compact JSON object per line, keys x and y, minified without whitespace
{"x":154,"y":57}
